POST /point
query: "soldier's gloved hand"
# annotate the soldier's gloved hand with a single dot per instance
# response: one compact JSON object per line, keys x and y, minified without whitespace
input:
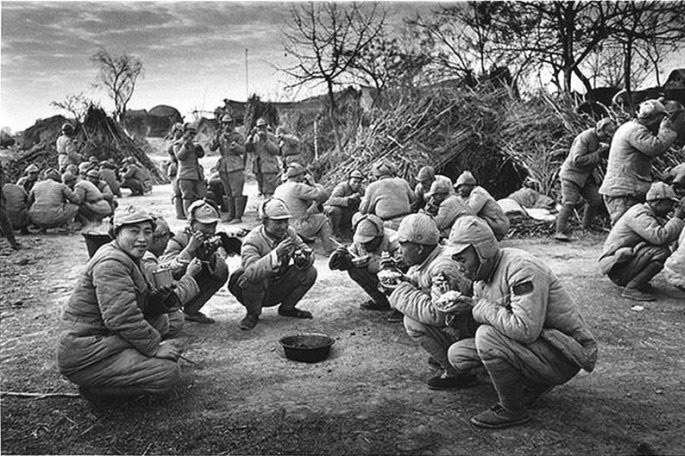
{"x":340,"y":259}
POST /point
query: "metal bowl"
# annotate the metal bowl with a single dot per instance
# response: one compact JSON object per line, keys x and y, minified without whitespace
{"x":308,"y":348}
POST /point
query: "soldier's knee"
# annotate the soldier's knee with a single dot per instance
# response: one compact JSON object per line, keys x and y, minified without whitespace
{"x":308,"y":276}
{"x":488,"y":339}
{"x":168,"y":375}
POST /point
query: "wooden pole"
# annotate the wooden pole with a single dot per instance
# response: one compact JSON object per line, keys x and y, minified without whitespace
{"x":316,"y":142}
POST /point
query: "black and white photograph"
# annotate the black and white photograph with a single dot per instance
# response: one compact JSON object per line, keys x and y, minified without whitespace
{"x":342,"y":228}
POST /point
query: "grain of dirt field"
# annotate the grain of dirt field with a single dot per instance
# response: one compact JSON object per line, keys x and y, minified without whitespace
{"x":369,"y":397}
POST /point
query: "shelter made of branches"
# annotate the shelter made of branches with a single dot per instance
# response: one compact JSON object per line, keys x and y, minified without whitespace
{"x":99,"y":135}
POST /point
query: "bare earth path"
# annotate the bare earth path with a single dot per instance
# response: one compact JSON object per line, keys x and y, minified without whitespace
{"x":244,"y":397}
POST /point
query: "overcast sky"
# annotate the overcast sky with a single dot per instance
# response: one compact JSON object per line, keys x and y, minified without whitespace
{"x":193,"y":52}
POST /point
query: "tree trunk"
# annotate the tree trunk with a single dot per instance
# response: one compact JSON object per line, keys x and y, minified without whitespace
{"x":332,"y":114}
{"x":627,"y":63}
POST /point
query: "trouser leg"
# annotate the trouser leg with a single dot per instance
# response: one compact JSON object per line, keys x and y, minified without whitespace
{"x":303,"y":281}
{"x":6,"y":228}
{"x":509,"y":363}
{"x":369,"y":282}
{"x":432,"y":339}
{"x":335,"y":215}
{"x":240,"y":203}
{"x":563,"y":217}
{"x":129,"y":373}
{"x":644,"y":276}
{"x":325,"y":235}
{"x":209,"y":284}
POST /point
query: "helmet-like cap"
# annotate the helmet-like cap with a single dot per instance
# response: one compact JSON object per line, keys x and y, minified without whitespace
{"x":226,"y":119}
{"x":650,"y":108}
{"x":465,"y":178}
{"x":440,"y":186}
{"x":367,"y":227}
{"x":93,"y":173}
{"x":294,"y":169}
{"x":383,"y":168}
{"x":425,"y":173}
{"x":418,"y":229}
{"x":203,"y":212}
{"x":356,"y":174}
{"x":67,"y":128}
{"x":604,"y":123}
{"x":52,"y":173}
{"x":94,"y":159}
{"x":274,"y":209}
{"x":189,"y":127}
{"x":661,"y":191}
{"x":31,"y":169}
{"x":261,"y":122}
{"x":470,"y":230}
{"x":130,"y":216}
{"x":68,"y":177}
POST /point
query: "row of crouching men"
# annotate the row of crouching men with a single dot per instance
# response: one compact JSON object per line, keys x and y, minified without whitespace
{"x":469,"y":303}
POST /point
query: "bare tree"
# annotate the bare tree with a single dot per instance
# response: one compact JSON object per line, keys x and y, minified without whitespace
{"x":118,"y":76}
{"x":648,"y":29}
{"x":76,"y":105}
{"x":326,"y":39}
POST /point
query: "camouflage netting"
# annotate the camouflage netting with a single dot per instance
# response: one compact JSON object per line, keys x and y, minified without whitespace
{"x":98,"y":136}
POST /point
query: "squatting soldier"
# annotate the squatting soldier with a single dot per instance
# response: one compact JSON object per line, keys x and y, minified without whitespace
{"x":343,"y":203}
{"x":482,"y":204}
{"x":30,"y":178}
{"x":195,"y":241}
{"x":389,"y":197}
{"x":231,"y":145}
{"x":416,"y":294}
{"x":531,"y":337}
{"x":633,"y":147}
{"x":52,"y":203}
{"x":425,"y":178}
{"x":133,"y":177}
{"x":577,"y":177}
{"x":108,"y":346}
{"x":302,"y":196}
{"x":277,"y":267}
{"x":289,"y":146}
{"x":444,"y":206}
{"x":638,"y":245}
{"x":5,"y":225}
{"x":16,"y":204}
{"x":362,"y":260}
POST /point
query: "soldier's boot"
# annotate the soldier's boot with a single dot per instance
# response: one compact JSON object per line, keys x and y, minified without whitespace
{"x":335,"y":220}
{"x":180,"y":211}
{"x":230,"y":208}
{"x":239,"y":202}
{"x":562,"y":223}
{"x":588,"y":214}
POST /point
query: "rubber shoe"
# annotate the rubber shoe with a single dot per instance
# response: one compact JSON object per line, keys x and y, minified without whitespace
{"x":449,"y":382}
{"x":396,"y":316}
{"x":249,"y":322}
{"x":199,"y":317}
{"x":532,"y":395}
{"x":295,"y":313}
{"x":497,"y":417}
{"x":637,"y":295}
{"x":373,"y":305}
{"x":563,"y":237}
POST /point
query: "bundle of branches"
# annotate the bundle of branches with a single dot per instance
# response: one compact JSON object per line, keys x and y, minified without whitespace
{"x":98,"y":136}
{"x":537,"y":133}
{"x":451,"y":129}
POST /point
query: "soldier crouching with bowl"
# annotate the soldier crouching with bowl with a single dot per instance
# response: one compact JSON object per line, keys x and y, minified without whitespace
{"x":277,"y":267}
{"x":531,"y":337}
{"x":108,"y":346}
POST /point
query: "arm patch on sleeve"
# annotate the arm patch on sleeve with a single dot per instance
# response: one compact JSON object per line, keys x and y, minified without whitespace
{"x":523,"y":288}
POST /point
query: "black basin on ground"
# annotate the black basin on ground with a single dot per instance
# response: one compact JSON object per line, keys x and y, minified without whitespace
{"x":307,"y":347}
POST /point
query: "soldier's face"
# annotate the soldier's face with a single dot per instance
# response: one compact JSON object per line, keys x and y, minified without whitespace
{"x":355,"y":184}
{"x":276,"y":228}
{"x":411,"y":252}
{"x":468,"y":262}
{"x":208,"y":229}
{"x":33,"y":176}
{"x":228,"y":126}
{"x":465,"y":190}
{"x":135,"y":239}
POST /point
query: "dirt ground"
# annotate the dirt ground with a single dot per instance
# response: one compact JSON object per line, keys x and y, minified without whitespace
{"x":242,"y":396}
